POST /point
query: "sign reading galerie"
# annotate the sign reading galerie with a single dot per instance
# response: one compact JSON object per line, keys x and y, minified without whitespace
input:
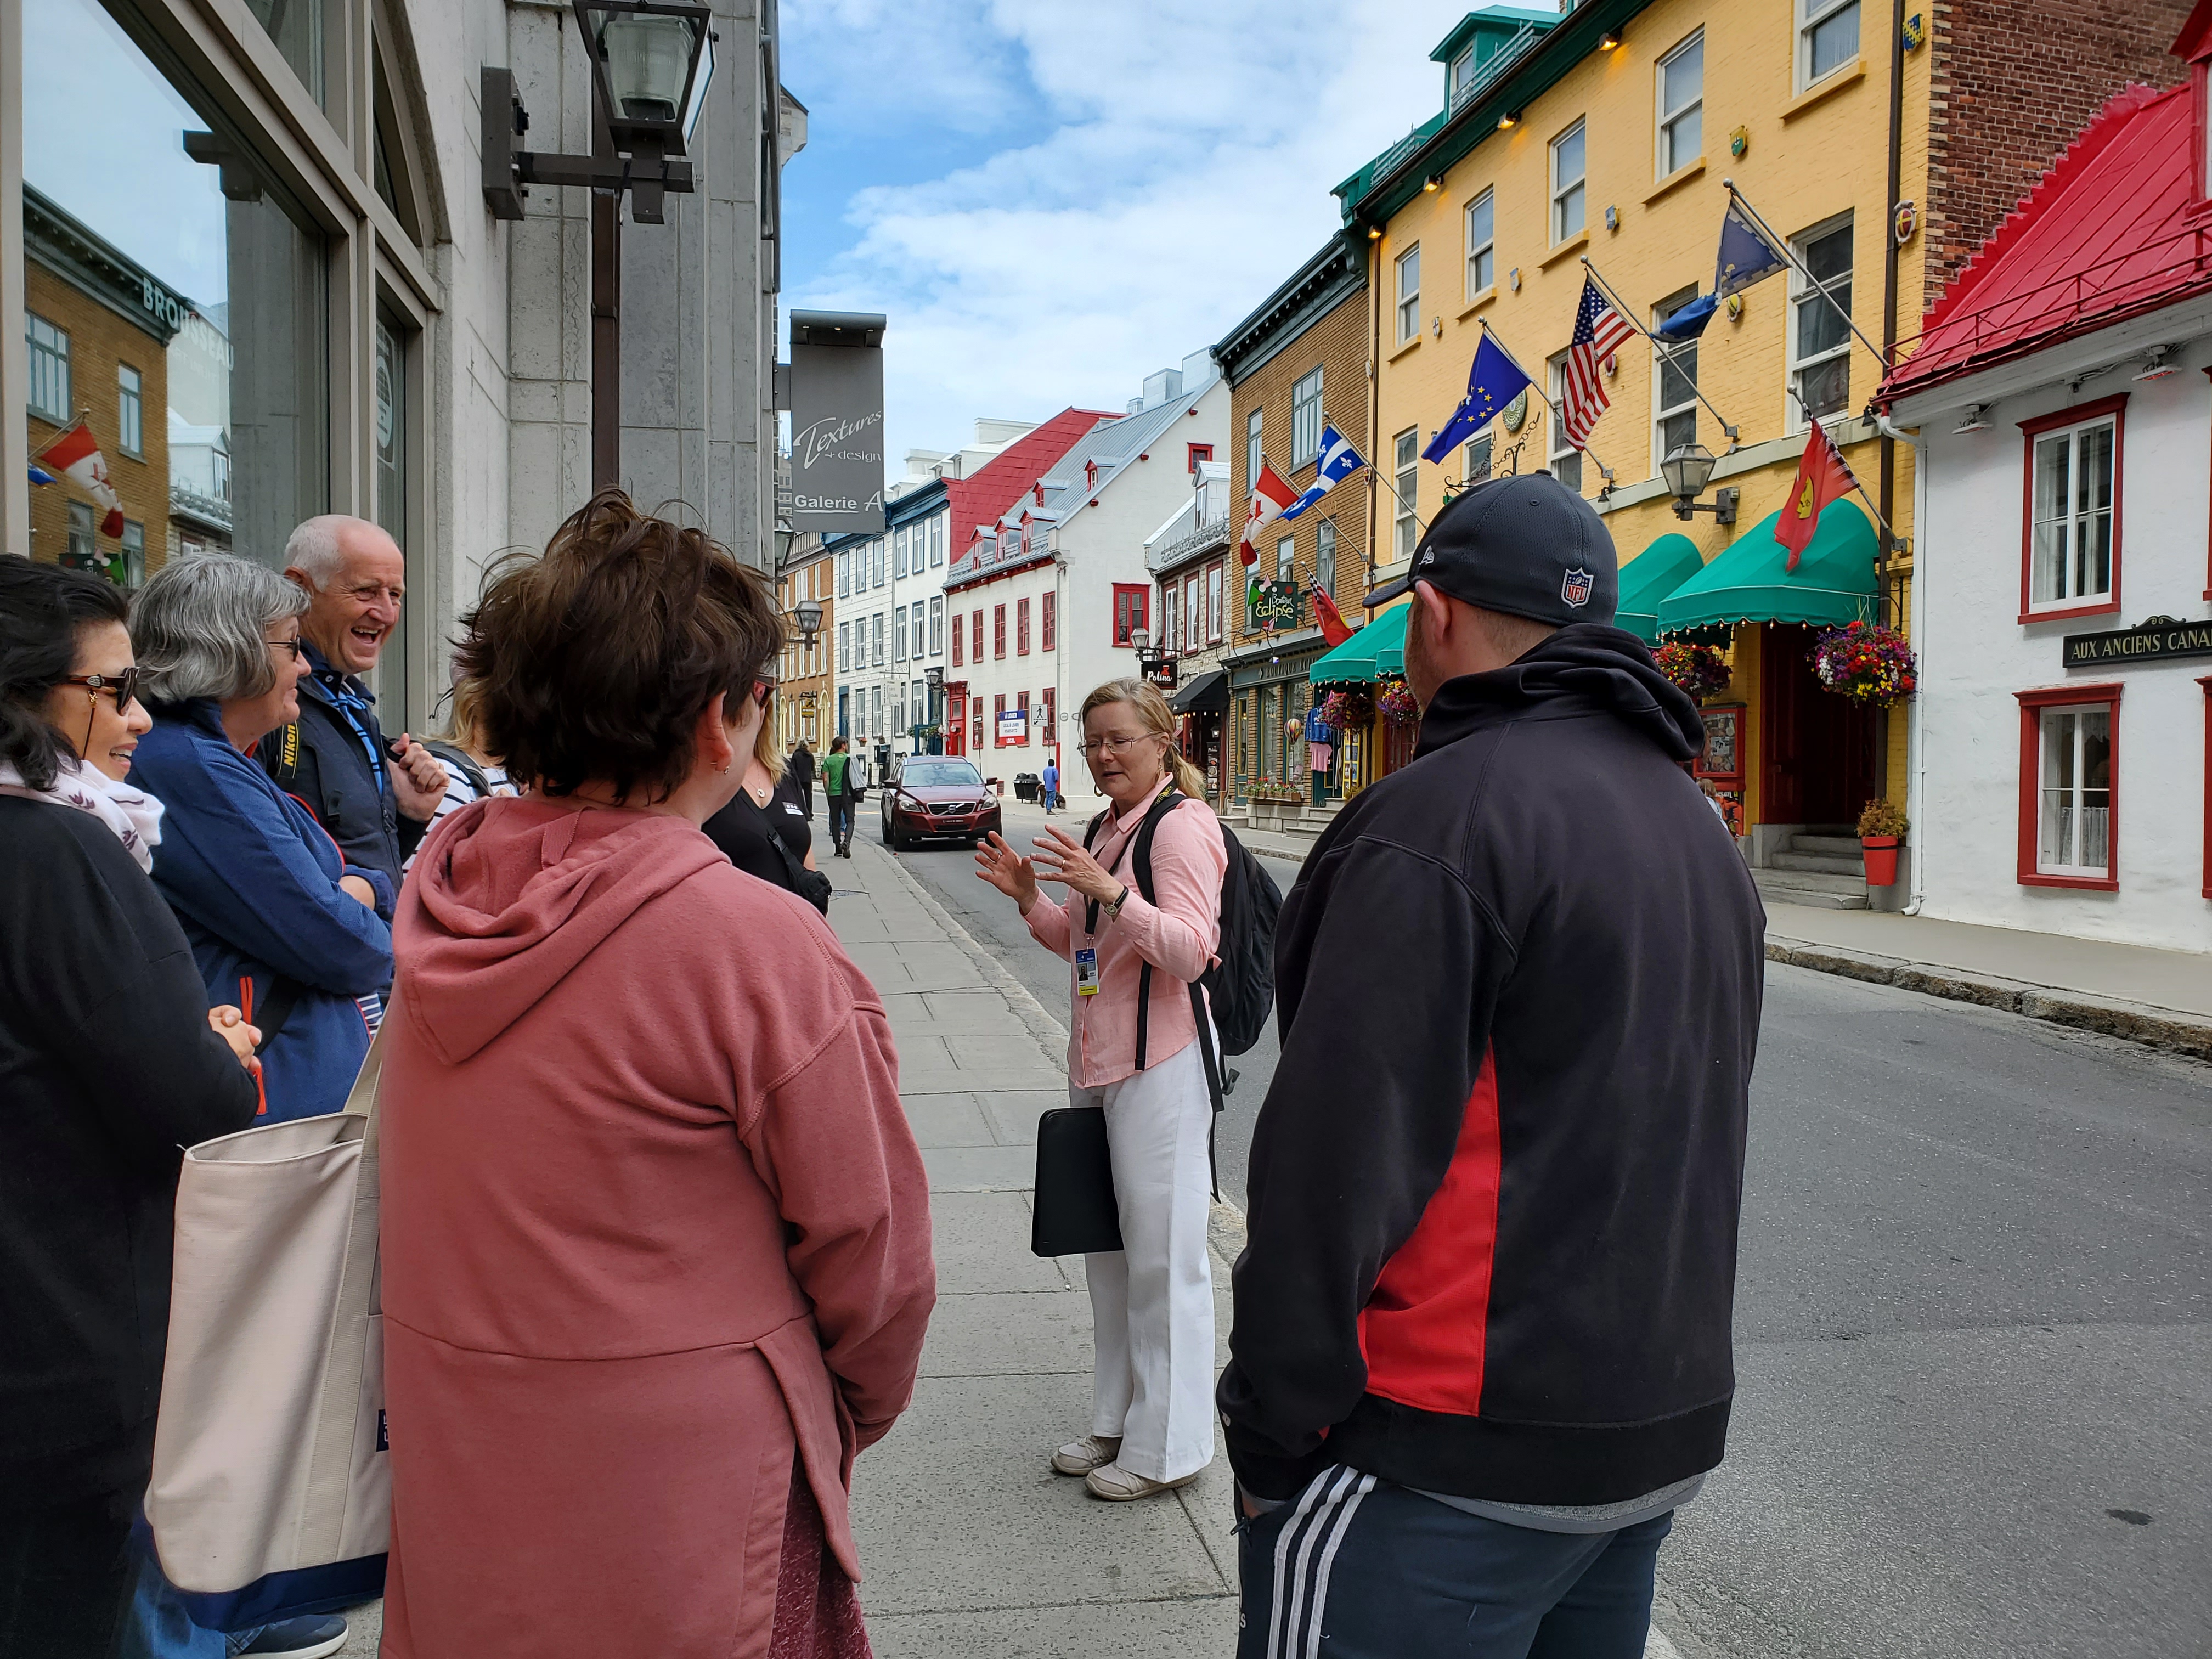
{"x":836,"y":422}
{"x":2160,"y":638}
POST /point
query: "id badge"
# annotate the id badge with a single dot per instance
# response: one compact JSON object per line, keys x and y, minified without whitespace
{"x":1086,"y":972}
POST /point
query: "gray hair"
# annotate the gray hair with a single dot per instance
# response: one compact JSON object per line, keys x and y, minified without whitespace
{"x":200,"y":628}
{"x":312,"y":549}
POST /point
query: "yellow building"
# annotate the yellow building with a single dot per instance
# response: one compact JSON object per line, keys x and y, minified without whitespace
{"x":1601,"y":139}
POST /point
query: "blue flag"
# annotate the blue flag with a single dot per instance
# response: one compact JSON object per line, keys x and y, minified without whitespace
{"x":1493,"y":380}
{"x":1687,"y":322}
{"x":1745,"y":255}
{"x":1339,"y":461}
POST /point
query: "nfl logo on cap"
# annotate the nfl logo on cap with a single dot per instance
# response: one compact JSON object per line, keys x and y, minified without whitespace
{"x":1575,"y":586}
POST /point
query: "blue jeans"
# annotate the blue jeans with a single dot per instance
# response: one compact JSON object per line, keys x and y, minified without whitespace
{"x":158,"y":1627}
{"x":1355,"y":1567}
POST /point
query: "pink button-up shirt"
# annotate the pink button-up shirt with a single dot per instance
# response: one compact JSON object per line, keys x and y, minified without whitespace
{"x":1177,"y":935}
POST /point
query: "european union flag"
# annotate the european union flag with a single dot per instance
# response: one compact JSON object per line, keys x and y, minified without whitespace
{"x":1493,"y":380}
{"x":1745,"y":255}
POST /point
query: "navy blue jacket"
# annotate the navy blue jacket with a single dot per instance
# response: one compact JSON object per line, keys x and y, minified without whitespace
{"x":254,"y":880}
{"x":320,"y":761}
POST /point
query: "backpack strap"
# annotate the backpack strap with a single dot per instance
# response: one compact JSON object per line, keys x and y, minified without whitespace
{"x":1141,"y":865}
{"x":462,"y":761}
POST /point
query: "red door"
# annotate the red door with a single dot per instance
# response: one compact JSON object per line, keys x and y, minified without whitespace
{"x":1818,"y":765}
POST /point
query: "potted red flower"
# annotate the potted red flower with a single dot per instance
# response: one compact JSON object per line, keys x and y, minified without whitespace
{"x":1882,"y":827}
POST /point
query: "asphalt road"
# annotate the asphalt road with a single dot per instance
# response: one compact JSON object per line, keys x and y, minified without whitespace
{"x":1973,"y":1332}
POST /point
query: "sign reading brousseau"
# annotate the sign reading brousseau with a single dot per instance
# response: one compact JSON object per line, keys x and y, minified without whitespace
{"x":836,"y":422}
{"x":2162,"y":637}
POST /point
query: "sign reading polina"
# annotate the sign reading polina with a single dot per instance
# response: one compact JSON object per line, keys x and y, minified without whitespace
{"x":2161,"y":638}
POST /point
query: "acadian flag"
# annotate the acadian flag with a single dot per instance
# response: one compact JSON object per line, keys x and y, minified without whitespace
{"x":1335,"y":630}
{"x":1823,"y":476}
{"x":1270,"y":495}
{"x":75,"y":452}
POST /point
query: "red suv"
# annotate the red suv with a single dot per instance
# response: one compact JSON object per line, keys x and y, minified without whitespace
{"x":935,"y":796}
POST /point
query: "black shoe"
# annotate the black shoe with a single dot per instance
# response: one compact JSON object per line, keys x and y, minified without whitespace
{"x":312,"y":1637}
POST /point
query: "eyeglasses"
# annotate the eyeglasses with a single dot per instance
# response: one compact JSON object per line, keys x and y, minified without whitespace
{"x":123,"y":686}
{"x":295,"y":645}
{"x":1091,"y":746}
{"x":762,"y":691}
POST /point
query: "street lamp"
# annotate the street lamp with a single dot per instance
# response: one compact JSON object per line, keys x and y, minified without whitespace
{"x":807,"y":613}
{"x":1687,"y":469}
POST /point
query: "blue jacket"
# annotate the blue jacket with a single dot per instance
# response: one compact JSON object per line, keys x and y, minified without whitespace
{"x":254,"y":880}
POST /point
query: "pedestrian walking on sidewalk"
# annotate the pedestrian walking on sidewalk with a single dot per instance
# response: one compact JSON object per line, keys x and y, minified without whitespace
{"x":800,"y":769}
{"x":840,"y":789}
{"x":1051,"y":782}
{"x":1151,"y":1302}
{"x":1481,"y":1349}
{"x":655,"y":1234}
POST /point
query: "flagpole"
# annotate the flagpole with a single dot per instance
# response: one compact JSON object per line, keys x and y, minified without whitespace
{"x":1620,"y":309}
{"x":1888,"y":529}
{"x":1781,"y":245}
{"x":1552,"y":408}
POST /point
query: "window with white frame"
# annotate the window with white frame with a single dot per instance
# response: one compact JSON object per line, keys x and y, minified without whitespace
{"x":1674,"y":384}
{"x":1475,"y":458}
{"x":1820,"y":331}
{"x":898,"y":635}
{"x":2071,"y":559}
{"x":1827,"y":37}
{"x":130,"y":411}
{"x":1409,"y":294}
{"x":1305,"y":418}
{"x":2074,"y":792}
{"x":1286,"y":551}
{"x":1216,"y":578}
{"x":1193,"y":616}
{"x":844,"y":645}
{"x":904,"y":539}
{"x":1170,"y":617}
{"x":937,"y":538}
{"x":1462,"y":73}
{"x":1253,"y":459}
{"x":1481,"y":243}
{"x":49,"y":349}
{"x":82,"y":553}
{"x":876,"y":640}
{"x":1325,"y":556}
{"x":1567,"y":168}
{"x":876,"y":702}
{"x":1681,"y":75}
{"x":937,"y":628}
{"x":1405,"y":529}
{"x":1567,"y":461}
{"x":844,"y":574}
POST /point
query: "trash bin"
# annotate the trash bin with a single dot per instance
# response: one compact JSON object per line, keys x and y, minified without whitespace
{"x":1025,"y":785}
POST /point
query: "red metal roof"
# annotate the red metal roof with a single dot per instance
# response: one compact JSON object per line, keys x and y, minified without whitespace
{"x":2109,"y":232}
{"x":1007,"y":476}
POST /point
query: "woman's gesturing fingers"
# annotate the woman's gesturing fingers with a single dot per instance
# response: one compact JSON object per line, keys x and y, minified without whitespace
{"x":1063,"y":861}
{"x":1004,"y":869}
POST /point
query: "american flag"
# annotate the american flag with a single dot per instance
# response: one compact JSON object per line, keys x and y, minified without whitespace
{"x":1600,"y":331}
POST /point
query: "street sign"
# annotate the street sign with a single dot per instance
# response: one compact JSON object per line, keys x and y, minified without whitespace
{"x":836,"y":422}
{"x":2161,"y":638}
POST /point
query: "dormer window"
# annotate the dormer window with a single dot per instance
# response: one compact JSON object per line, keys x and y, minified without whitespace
{"x":1089,"y":475}
{"x":1040,"y":492}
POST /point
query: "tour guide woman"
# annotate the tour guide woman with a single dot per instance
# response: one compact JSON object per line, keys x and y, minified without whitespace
{"x":655,"y":1232}
{"x":1152,"y":1303}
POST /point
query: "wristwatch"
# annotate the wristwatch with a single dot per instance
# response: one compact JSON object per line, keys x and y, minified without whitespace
{"x":1114,"y":910}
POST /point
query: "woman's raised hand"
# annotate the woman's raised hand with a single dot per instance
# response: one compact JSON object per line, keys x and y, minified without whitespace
{"x":1007,"y":871}
{"x":1062,"y":859}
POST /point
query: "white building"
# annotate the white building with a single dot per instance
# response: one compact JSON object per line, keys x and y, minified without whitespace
{"x":2062,"y":771}
{"x":1050,"y":592}
{"x":1189,"y":559}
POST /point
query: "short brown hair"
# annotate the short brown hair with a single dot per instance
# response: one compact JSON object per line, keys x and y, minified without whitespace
{"x":594,"y":659}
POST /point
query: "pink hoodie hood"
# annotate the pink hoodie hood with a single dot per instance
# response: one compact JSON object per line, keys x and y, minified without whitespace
{"x":509,"y":894}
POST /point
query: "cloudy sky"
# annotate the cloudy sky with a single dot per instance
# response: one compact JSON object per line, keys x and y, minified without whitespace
{"x":1051,"y":200}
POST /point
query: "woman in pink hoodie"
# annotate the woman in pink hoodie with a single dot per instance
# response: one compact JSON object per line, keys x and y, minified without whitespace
{"x":655,"y":1233}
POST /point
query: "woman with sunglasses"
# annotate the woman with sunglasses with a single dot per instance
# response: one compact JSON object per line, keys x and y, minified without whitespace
{"x":764,"y":830}
{"x":109,"y":1065}
{"x":279,"y":922}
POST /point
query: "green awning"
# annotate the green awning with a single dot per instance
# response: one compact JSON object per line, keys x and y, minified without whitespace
{"x":1651,"y":576}
{"x":1832,"y":584}
{"x":1371,"y":653}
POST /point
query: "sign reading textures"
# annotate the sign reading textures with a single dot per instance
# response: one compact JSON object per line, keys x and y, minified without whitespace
{"x":836,"y":422}
{"x":2159,"y":639}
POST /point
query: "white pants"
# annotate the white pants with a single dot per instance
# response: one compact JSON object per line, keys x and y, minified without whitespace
{"x":1151,"y":1302}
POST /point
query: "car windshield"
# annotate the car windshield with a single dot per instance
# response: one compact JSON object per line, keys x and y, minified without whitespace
{"x":938,"y":774}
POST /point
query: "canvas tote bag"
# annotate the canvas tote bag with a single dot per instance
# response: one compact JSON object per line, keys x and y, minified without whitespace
{"x":271,"y":1494}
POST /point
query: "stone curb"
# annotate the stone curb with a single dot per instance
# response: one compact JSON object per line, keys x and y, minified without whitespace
{"x":2157,"y":1027}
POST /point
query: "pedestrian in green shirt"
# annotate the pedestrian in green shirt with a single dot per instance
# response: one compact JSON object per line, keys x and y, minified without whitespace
{"x":837,"y":767}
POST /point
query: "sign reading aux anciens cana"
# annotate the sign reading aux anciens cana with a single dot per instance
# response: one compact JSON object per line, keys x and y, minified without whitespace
{"x":2161,"y":637}
{"x":836,"y":422}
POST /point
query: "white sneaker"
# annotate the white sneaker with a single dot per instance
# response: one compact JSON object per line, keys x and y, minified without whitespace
{"x":1093,"y":1451}
{"x":1118,"y":1486}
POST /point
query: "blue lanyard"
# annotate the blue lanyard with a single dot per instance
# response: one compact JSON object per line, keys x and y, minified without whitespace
{"x":350,"y":703}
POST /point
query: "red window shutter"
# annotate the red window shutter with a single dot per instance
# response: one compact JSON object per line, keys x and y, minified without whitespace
{"x":956,"y":641}
{"x":1021,"y":628}
{"x":1049,"y":722}
{"x":1051,"y":604}
{"x":998,"y":630}
{"x":1023,"y":703}
{"x":975,"y":638}
{"x":997,"y":708}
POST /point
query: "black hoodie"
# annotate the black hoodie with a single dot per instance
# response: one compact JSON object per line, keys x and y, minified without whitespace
{"x":1495,"y":1184}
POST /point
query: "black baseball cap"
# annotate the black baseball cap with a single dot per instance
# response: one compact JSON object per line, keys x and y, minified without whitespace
{"x":1526,"y":545}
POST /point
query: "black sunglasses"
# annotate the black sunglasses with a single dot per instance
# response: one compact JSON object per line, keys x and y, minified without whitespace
{"x":125,"y":686}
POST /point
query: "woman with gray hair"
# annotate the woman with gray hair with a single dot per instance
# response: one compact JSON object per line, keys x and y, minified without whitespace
{"x":279,"y":923}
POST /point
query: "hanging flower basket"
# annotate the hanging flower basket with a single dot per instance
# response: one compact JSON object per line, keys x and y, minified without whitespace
{"x":1698,"y":669}
{"x":1341,"y":710}
{"x":1866,"y":662}
{"x":1399,"y":707}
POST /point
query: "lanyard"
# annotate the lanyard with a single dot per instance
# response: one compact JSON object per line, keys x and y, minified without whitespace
{"x":350,"y":704}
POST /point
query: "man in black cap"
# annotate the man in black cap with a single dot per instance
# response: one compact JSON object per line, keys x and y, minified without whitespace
{"x":1481,"y":1350}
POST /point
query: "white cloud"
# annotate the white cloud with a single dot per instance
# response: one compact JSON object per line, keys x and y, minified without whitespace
{"x":1184,"y":172}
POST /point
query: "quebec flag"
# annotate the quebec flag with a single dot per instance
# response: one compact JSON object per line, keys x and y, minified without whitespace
{"x":1339,"y":461}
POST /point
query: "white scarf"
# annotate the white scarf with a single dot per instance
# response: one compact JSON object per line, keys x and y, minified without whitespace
{"x":132,"y":814}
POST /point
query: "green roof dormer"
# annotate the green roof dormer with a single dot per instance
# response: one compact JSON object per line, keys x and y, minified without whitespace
{"x":1480,"y":36}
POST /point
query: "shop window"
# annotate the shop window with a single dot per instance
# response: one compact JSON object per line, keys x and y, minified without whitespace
{"x":2070,"y":556}
{"x":1568,"y":165}
{"x":1827,"y":37}
{"x":1481,"y":244}
{"x":1305,"y":418}
{"x":1681,"y":78}
{"x":1565,"y":460}
{"x":1674,"y":384}
{"x":1131,"y":611}
{"x":998,"y":630}
{"x":1409,"y":294}
{"x":1405,"y":527}
{"x":1049,"y":608}
{"x":129,"y":412}
{"x":2070,"y":787}
{"x":1820,"y":331}
{"x":49,"y":348}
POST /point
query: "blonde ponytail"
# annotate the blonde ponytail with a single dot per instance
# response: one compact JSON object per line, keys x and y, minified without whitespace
{"x":1154,"y":714}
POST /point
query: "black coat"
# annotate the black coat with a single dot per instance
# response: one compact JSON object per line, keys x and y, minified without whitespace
{"x":1495,"y":1182}
{"x":107,"y":1069}
{"x":320,"y":759}
{"x":800,"y":767}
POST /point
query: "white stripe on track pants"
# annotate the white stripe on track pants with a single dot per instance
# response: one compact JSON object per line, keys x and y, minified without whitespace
{"x":1151,"y":1302}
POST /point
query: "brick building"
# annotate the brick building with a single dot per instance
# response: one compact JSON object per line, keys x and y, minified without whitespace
{"x":96,"y":329}
{"x":1298,"y":362}
{"x":806,"y":692}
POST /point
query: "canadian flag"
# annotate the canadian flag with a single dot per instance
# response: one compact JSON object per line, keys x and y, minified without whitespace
{"x":75,"y":452}
{"x":1270,"y":495}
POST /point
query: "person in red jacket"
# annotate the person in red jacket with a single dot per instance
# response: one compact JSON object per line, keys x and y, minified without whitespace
{"x":1482,"y":1348}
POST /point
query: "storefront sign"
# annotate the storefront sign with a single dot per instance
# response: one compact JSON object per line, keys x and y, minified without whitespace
{"x":836,"y":424}
{"x":1013,"y":725}
{"x":2161,"y":639}
{"x":1272,"y":605}
{"x":1158,"y":671}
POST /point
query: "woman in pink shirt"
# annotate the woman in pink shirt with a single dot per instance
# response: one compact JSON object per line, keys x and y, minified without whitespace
{"x":1152,"y":1303}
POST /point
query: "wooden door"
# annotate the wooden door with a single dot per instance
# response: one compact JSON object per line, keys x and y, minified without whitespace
{"x":1817,"y":761}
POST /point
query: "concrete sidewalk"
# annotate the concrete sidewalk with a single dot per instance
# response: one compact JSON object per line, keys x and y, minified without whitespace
{"x":969,"y":1544}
